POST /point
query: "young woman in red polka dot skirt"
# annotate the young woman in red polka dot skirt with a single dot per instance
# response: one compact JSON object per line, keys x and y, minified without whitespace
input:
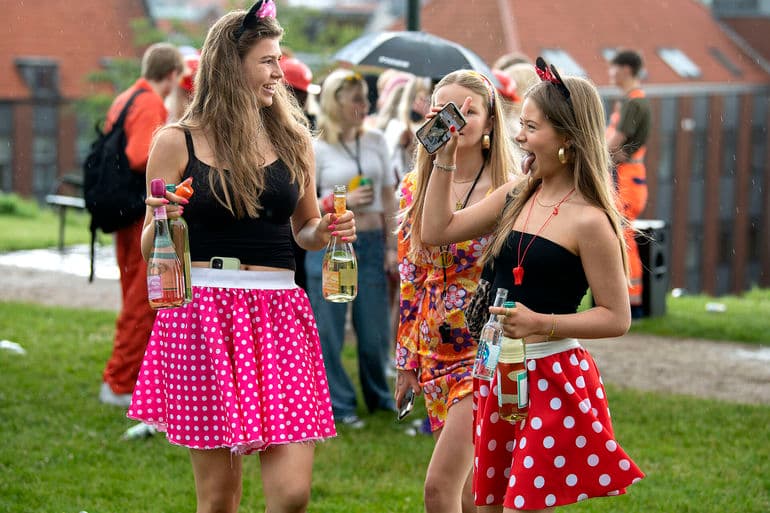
{"x":556,"y":233}
{"x":240,"y":368}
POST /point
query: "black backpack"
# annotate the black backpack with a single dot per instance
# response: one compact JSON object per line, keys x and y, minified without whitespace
{"x":114,"y":194}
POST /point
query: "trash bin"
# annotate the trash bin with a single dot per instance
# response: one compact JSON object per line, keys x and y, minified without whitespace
{"x":654,"y":251}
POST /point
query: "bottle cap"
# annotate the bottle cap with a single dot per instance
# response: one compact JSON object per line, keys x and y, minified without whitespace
{"x":158,"y":188}
{"x":510,"y":304}
{"x":185,"y":189}
{"x":170,"y":187}
{"x":511,"y":350}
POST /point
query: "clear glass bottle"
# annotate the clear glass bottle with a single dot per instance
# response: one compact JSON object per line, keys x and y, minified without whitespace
{"x":339,"y":274}
{"x":165,"y":279}
{"x":489,"y":342}
{"x":512,"y":385}
{"x":180,"y":236}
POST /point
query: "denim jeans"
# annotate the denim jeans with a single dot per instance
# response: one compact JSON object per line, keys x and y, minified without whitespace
{"x":371,"y":322}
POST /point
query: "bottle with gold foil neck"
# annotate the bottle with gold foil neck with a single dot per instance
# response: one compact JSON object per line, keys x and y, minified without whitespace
{"x":339,"y":274}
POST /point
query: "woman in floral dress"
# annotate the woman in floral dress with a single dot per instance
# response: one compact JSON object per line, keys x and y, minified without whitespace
{"x":434,"y":350}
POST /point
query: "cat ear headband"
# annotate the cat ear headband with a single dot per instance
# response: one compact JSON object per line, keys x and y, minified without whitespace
{"x":549,"y":74}
{"x":261,"y":9}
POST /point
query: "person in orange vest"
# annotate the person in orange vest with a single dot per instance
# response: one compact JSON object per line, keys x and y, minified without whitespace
{"x":627,"y":134}
{"x":161,"y":67}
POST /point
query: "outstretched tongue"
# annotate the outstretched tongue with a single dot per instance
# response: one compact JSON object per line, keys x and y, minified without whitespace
{"x":526,"y":163}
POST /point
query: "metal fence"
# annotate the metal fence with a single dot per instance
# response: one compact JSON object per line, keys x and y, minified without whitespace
{"x":709,"y":178}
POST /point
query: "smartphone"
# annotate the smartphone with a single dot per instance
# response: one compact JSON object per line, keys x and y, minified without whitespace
{"x":407,"y":403}
{"x":435,"y":132}
{"x":228,"y":263}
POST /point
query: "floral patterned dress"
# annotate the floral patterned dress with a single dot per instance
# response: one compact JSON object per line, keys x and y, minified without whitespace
{"x":444,"y":363}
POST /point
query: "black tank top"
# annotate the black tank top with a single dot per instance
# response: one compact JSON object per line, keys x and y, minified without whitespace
{"x":554,"y":280}
{"x":214,"y":231}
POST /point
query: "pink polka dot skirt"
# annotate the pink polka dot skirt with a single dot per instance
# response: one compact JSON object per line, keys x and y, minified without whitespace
{"x":236,"y":368}
{"x":563,"y":452}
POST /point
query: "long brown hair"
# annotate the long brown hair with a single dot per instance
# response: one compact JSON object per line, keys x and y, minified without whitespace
{"x":498,"y":159}
{"x":583,"y":125}
{"x":227,"y":109}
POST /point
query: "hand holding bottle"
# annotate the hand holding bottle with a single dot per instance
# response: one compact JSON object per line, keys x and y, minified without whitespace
{"x":334,"y":225}
{"x":174,"y":203}
{"x":520,"y":321}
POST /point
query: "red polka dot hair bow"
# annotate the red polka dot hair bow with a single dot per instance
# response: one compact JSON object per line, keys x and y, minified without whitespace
{"x":549,"y":74}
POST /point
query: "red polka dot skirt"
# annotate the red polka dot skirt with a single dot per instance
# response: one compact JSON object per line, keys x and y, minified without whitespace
{"x":563,"y":452}
{"x":236,"y":368}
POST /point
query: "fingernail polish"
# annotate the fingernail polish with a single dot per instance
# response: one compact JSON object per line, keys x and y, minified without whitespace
{"x":332,"y":226}
{"x":335,"y":234}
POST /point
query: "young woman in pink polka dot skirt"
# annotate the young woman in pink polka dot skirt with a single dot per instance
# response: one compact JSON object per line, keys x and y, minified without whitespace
{"x":240,"y":368}
{"x":556,"y":233}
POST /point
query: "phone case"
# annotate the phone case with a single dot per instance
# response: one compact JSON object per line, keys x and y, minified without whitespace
{"x":225,"y":263}
{"x":435,"y":132}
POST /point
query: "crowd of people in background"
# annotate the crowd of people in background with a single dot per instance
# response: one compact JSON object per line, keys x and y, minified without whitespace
{"x":533,"y":169}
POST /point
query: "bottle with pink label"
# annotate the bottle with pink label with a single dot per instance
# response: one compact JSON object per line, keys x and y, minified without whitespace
{"x":165,"y":276}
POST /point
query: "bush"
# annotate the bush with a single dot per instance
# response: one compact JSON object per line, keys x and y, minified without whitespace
{"x":15,"y":205}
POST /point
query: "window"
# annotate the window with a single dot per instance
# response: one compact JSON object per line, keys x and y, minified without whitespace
{"x":726,"y":62}
{"x":679,"y":62}
{"x":564,"y":63}
{"x":41,"y":76}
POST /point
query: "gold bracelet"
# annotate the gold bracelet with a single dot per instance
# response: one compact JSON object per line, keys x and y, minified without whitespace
{"x":444,"y":167}
{"x":553,"y":327}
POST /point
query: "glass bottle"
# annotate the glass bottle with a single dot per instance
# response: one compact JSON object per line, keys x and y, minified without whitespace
{"x":165,"y":279}
{"x":180,"y":236}
{"x":512,"y":385}
{"x":489,"y":342}
{"x":339,"y":273}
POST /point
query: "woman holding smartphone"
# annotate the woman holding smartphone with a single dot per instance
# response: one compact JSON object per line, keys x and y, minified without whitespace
{"x":435,"y":352}
{"x":555,"y":234}
{"x":239,"y":369}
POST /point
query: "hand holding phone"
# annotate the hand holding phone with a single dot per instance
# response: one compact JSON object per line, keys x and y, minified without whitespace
{"x":407,"y":403}
{"x":435,"y":132}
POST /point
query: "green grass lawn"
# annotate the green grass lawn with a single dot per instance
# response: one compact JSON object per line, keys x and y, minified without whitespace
{"x":25,"y":225}
{"x":747,"y":318}
{"x":60,"y":450}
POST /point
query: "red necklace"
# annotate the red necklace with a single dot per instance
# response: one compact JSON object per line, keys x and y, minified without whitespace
{"x":518,"y":271}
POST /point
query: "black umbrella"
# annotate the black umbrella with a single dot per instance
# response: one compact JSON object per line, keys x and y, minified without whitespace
{"x":419,"y":53}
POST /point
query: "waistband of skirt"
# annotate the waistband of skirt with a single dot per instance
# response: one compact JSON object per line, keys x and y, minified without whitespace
{"x":237,"y":279}
{"x":543,"y":349}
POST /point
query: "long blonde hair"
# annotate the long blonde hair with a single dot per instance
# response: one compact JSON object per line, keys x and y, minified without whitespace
{"x":583,"y":125}
{"x":329,"y":123}
{"x":498,"y":159}
{"x":226,"y":108}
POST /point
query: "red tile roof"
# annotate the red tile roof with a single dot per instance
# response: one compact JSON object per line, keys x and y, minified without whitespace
{"x":77,"y":35}
{"x":755,"y":31}
{"x":492,"y":28}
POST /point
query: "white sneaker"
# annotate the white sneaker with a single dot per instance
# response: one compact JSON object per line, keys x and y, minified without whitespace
{"x":352,"y":421}
{"x":138,"y":432}
{"x":107,"y":396}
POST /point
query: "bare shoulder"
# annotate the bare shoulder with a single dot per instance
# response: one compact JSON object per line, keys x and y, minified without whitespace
{"x":168,"y":155}
{"x":591,"y":223}
{"x":169,"y":138}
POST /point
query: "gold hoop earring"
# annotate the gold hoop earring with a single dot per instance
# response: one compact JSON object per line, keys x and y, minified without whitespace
{"x":485,"y":142}
{"x":562,"y":155}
